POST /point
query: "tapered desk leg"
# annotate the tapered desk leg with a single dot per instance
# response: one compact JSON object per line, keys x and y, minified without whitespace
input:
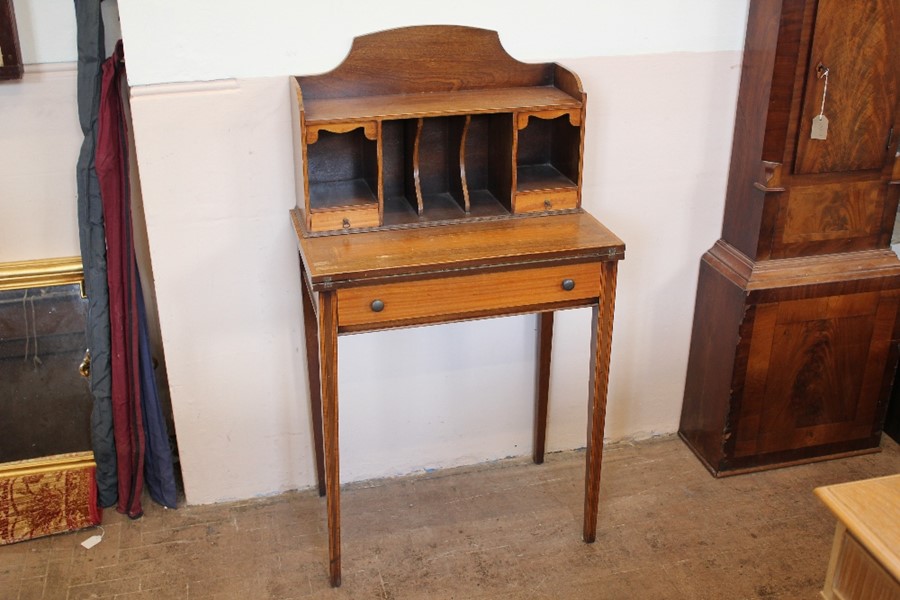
{"x":601,"y":344}
{"x":311,"y":328}
{"x":328,"y":358}
{"x":545,"y":345}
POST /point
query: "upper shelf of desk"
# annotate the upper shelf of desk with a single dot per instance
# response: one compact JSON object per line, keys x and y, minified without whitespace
{"x":433,"y":125}
{"x":436,"y":104}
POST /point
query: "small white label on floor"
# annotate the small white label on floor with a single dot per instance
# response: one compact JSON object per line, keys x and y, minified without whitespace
{"x":92,"y":541}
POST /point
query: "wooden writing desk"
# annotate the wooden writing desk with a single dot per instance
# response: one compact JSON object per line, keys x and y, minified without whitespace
{"x":399,"y":278}
{"x":438,"y":179}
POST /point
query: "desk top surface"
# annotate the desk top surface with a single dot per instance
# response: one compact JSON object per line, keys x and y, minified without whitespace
{"x":339,"y":260}
{"x":870,"y":509}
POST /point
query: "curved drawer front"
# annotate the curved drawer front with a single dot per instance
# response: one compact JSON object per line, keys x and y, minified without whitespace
{"x":462,"y":295}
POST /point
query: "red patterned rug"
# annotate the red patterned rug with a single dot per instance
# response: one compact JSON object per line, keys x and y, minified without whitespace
{"x":48,"y":495}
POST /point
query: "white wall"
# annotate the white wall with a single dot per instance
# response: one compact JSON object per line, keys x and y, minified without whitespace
{"x":40,"y":136}
{"x":215,"y":165}
{"x":39,"y":143}
{"x":215,"y":39}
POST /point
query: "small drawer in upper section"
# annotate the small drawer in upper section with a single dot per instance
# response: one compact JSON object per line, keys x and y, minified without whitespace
{"x":548,"y":158}
{"x":341,"y":173}
{"x":348,"y":218}
{"x":547,"y":200}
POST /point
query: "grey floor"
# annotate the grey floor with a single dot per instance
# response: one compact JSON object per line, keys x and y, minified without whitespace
{"x":507,"y":530}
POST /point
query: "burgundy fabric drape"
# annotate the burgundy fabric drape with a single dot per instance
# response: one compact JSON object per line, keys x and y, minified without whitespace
{"x":112,"y":173}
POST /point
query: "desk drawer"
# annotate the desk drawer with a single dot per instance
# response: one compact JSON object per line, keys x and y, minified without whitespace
{"x":461,"y":295}
{"x":346,"y":218}
{"x":546,"y":200}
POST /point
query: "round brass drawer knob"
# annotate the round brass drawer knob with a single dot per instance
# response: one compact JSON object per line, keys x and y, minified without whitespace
{"x":568,"y":284}
{"x":377,"y":305}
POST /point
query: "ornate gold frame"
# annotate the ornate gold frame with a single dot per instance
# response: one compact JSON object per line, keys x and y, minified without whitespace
{"x":47,"y":464}
{"x":41,"y":273}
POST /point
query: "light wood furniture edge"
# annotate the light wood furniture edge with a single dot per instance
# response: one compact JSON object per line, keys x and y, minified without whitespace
{"x":882,"y":497}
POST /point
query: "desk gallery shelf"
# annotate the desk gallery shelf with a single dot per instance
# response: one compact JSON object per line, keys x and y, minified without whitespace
{"x":455,"y":131}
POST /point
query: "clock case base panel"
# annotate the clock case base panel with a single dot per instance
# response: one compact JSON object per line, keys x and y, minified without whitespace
{"x":792,"y":360}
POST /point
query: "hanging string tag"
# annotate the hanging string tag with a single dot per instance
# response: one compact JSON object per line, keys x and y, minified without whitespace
{"x":820,"y":122}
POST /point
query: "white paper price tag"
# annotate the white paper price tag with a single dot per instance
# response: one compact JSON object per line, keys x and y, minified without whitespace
{"x":819,"y":128}
{"x":92,"y":541}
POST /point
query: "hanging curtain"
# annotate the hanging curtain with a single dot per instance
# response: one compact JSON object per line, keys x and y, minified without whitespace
{"x":141,"y":444}
{"x":121,"y":275}
{"x":92,"y":235}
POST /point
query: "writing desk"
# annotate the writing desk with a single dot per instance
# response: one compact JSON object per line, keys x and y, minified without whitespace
{"x":394,"y":278}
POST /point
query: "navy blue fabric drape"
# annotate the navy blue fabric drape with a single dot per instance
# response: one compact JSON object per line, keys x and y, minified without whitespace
{"x":158,"y":465}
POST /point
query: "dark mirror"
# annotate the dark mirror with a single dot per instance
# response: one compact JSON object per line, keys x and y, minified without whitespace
{"x":45,"y":404}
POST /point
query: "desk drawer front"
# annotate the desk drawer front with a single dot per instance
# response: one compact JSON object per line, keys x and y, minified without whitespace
{"x":349,"y":218}
{"x":467,"y":294}
{"x":546,"y":200}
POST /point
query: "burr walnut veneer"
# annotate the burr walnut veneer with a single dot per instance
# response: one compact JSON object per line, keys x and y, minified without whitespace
{"x":439,"y":180}
{"x":795,"y":328}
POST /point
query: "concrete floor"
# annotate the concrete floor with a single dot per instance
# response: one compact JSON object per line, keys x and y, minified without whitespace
{"x":507,"y":530}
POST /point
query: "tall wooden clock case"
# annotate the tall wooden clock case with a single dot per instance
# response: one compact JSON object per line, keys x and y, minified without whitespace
{"x":795,"y":329}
